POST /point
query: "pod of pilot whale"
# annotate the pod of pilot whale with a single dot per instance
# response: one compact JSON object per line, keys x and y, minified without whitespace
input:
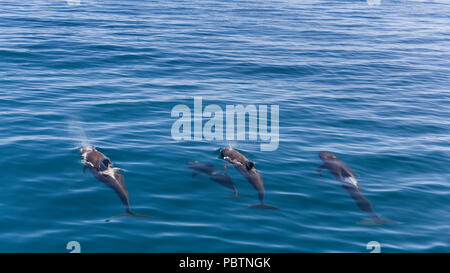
{"x":214,"y":174}
{"x":103,"y":170}
{"x":345,"y":175}
{"x":247,"y":169}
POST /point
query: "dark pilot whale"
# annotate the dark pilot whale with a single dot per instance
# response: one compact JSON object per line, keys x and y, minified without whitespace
{"x":247,"y":169}
{"x":345,"y":175}
{"x":213,"y":173}
{"x":102,"y":168}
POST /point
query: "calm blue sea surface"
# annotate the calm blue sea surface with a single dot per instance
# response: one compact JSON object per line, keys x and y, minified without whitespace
{"x":369,"y":83}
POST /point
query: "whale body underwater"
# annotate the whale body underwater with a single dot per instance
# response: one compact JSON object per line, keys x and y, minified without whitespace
{"x":214,"y":174}
{"x":247,"y":169}
{"x":103,"y":170}
{"x":344,"y":174}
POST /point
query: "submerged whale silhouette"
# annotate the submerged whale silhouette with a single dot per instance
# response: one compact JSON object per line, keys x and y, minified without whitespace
{"x":213,"y":173}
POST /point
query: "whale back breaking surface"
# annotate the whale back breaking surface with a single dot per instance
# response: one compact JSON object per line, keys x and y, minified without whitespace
{"x":340,"y":171}
{"x":236,"y":158}
{"x":241,"y":163}
{"x":106,"y":174}
{"x":343,"y":174}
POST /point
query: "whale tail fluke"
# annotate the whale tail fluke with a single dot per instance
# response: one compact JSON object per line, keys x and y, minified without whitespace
{"x":132,"y":214}
{"x":235,"y":192}
{"x":129,"y":213}
{"x":233,"y":196}
{"x":377,"y":221}
{"x":262,"y":206}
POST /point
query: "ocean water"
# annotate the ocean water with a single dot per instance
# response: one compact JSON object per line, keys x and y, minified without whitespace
{"x":366,"y":80}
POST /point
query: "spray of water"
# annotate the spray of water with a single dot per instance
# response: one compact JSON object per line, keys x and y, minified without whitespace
{"x":77,"y":134}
